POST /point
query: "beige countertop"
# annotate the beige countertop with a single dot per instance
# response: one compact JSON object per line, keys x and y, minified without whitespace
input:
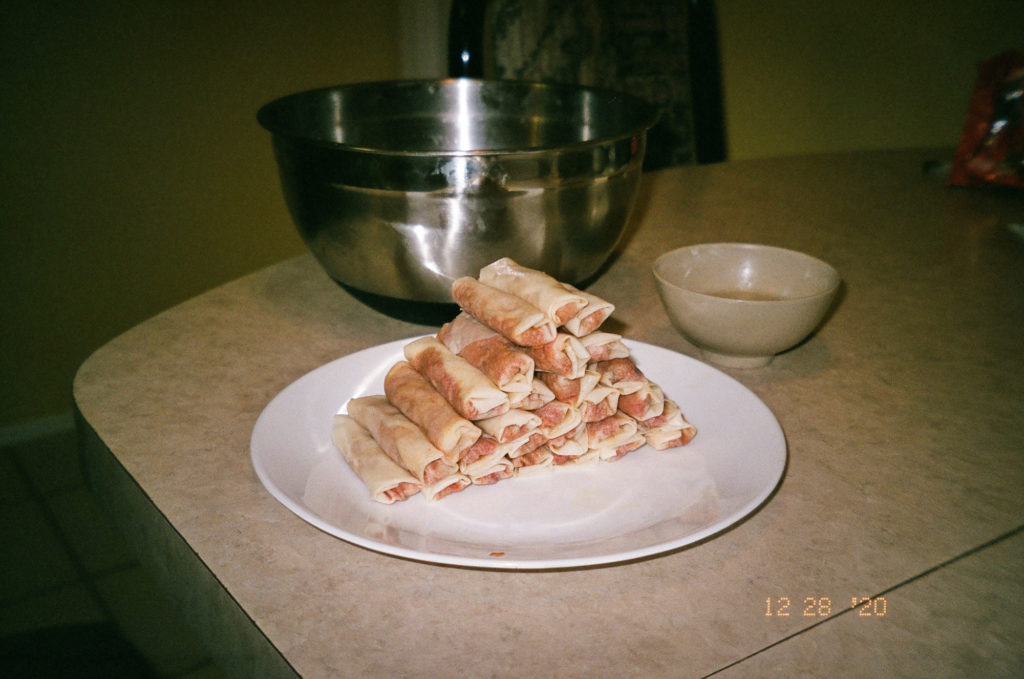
{"x":902,"y":417}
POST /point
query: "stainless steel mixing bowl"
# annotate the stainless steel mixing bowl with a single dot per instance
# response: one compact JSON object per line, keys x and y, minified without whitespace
{"x":400,"y":187}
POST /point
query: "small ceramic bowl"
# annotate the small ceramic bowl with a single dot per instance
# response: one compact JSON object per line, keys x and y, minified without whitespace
{"x":742,"y":303}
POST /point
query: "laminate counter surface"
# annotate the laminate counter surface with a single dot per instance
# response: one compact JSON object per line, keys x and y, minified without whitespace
{"x":902,"y":416}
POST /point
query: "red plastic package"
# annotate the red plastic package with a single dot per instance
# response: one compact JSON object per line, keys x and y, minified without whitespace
{"x":991,"y":148}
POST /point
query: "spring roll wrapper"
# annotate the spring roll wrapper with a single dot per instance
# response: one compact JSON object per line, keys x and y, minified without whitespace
{"x":469,"y":391}
{"x":565,"y":356}
{"x":446,"y":486}
{"x":510,"y":425}
{"x":670,"y":416}
{"x":604,"y":346}
{"x":387,"y":481}
{"x":644,"y":403}
{"x":590,"y":318}
{"x":670,"y":429}
{"x":599,"y":403}
{"x":611,"y":431}
{"x":528,"y":444}
{"x":613,"y":451}
{"x":416,"y":397}
{"x":558,"y":418}
{"x":620,"y":374}
{"x":591,"y":457}
{"x":513,"y":317}
{"x":539,"y":395}
{"x":509,"y":367}
{"x":670,"y":437}
{"x":502,"y":469}
{"x":485,"y":446}
{"x":570,"y":390}
{"x":400,"y":438}
{"x":462,"y":331}
{"x":558,"y":303}
{"x":538,"y":461}
{"x":479,"y":466}
{"x":572,"y":443}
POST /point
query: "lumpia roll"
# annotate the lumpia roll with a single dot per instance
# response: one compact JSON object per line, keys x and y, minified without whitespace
{"x":511,"y":316}
{"x":416,"y":397}
{"x":557,"y":418}
{"x":571,"y":444}
{"x":668,"y":430}
{"x":536,"y":287}
{"x":537,"y":461}
{"x":604,"y":346}
{"x":480,"y":465}
{"x":620,"y":373}
{"x":539,"y":395}
{"x":611,"y":431}
{"x":646,"y":402}
{"x":444,"y":487}
{"x":527,"y":444}
{"x":499,"y":471}
{"x":667,"y":437}
{"x":508,"y":366}
{"x":599,"y":403}
{"x":565,"y":356}
{"x":400,"y":438}
{"x":570,"y":390}
{"x":469,"y":391}
{"x":387,"y":481}
{"x":486,"y":446}
{"x":511,"y":425}
{"x":613,"y":451}
{"x":590,"y":318}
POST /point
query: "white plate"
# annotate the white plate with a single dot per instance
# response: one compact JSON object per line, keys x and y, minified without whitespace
{"x":645,"y":503}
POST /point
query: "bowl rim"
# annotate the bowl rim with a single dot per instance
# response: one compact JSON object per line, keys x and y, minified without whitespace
{"x":649,"y":115}
{"x":830,"y":290}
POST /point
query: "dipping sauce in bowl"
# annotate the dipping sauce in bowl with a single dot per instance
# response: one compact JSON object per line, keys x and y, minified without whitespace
{"x":742,"y":303}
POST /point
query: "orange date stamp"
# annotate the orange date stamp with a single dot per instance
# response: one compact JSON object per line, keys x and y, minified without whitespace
{"x":824,"y":606}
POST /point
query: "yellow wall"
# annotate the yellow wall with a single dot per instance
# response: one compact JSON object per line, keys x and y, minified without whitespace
{"x":135,"y":175}
{"x":804,"y":76}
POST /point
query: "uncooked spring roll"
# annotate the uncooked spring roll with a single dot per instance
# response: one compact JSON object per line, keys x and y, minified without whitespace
{"x":498,"y":471}
{"x":509,"y":367}
{"x":536,"y":287}
{"x":485,"y":446}
{"x":604,"y":346}
{"x":387,"y":481}
{"x":536,"y":461}
{"x":565,"y":356}
{"x":515,"y":318}
{"x":646,"y":402}
{"x":571,"y":444}
{"x":557,"y":418}
{"x":468,"y":390}
{"x":446,"y":486}
{"x":611,"y":431}
{"x":619,"y":373}
{"x":416,"y":397}
{"x":570,"y":390}
{"x":539,"y":395}
{"x":400,"y":438}
{"x":511,"y":425}
{"x":590,"y":318}
{"x":668,"y":430}
{"x":613,"y":451}
{"x":598,"y":403}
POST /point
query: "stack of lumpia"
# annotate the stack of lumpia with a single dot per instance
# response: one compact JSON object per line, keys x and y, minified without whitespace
{"x":520,"y":382}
